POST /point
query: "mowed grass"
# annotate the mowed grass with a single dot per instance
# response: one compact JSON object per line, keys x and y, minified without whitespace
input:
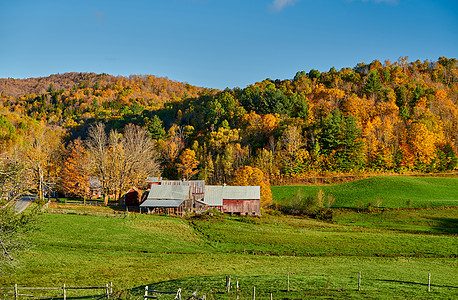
{"x":390,"y":191}
{"x":303,"y":237}
{"x":433,"y":221}
{"x":168,"y":252}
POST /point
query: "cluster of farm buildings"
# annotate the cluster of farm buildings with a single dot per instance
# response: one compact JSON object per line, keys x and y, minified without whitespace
{"x":193,"y":196}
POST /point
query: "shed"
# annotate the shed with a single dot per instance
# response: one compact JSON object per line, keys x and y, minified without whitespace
{"x":243,"y":200}
{"x":132,"y":197}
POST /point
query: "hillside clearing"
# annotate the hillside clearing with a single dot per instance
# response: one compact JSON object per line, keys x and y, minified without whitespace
{"x":389,"y":191}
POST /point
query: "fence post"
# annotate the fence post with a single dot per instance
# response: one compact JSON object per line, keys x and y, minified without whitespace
{"x":15,"y":291}
{"x":65,"y":295}
{"x":287,"y":280}
{"x":178,"y":296}
{"x":228,"y":283}
{"x":111,"y":288}
{"x":107,"y":289}
{"x":271,"y":297}
{"x":146,"y":293}
{"x":254,"y":293}
{"x":359,"y":281}
{"x":429,"y":282}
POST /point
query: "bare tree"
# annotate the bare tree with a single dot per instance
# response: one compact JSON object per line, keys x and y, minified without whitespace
{"x":121,"y":161}
{"x":140,"y":157}
{"x":99,"y":158}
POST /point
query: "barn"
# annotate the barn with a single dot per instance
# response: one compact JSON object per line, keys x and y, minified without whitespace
{"x":172,"y":199}
{"x":241,"y":200}
{"x":169,"y":199}
{"x":197,"y":186}
{"x":132,"y":197}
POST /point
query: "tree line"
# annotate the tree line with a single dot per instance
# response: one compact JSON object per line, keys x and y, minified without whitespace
{"x":393,"y":117}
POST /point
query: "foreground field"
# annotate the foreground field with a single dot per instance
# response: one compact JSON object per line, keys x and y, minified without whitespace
{"x":323,"y":259}
{"x":388,"y":192}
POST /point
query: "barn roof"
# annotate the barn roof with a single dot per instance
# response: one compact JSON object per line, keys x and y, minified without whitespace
{"x":168,"y":192}
{"x":153,"y":179}
{"x":161,"y":203}
{"x":214,"y":194}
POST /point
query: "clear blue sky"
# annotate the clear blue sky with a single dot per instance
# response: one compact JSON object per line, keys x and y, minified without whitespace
{"x":219,"y":43}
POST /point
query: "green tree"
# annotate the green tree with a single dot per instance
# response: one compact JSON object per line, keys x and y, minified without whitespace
{"x":156,"y":128}
{"x":373,"y":85}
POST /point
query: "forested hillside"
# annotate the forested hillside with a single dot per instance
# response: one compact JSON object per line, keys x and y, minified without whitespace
{"x":377,"y":117}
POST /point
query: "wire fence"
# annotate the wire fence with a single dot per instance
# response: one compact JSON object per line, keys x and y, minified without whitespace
{"x":17,"y":292}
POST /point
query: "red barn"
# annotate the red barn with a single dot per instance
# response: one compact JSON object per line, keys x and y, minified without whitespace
{"x":132,"y":197}
{"x":243,"y":200}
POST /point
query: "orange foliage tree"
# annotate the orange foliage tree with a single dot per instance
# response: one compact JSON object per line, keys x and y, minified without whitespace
{"x":74,"y":179}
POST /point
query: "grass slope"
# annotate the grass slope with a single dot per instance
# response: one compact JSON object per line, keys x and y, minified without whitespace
{"x":392,"y":191}
{"x":167,"y":252}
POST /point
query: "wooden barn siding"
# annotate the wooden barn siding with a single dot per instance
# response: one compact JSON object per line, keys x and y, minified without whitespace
{"x":242,"y":206}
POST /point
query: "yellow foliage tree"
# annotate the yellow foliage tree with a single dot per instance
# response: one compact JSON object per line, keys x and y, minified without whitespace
{"x":423,"y":143}
{"x":188,"y":164}
{"x":250,"y":176}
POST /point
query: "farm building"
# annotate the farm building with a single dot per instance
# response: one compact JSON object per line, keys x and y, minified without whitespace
{"x":167,"y":199}
{"x":172,"y":199}
{"x":197,"y":186}
{"x":180,"y":197}
{"x":132,"y":197}
{"x":243,"y":200}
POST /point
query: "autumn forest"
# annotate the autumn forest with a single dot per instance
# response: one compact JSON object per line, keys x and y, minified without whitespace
{"x":390,"y":117}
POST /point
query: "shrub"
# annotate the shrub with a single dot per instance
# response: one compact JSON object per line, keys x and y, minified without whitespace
{"x":409,"y":203}
{"x":324,"y":214}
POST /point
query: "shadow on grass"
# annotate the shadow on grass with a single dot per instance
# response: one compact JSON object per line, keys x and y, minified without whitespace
{"x":446,"y":225}
{"x":416,"y":283}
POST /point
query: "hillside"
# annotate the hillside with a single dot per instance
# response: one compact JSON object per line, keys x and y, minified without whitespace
{"x":168,"y":253}
{"x":388,"y":192}
{"x":393,"y":117}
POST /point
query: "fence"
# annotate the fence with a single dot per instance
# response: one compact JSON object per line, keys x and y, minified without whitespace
{"x":358,"y":286}
{"x":177,"y":294}
{"x":86,"y":213}
{"x":108,"y":291}
{"x":282,"y":289}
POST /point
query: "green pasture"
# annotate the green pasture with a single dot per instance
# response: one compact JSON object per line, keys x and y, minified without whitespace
{"x":323,"y":259}
{"x":388,"y":192}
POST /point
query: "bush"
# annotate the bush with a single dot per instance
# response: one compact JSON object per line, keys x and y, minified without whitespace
{"x":324,"y":214}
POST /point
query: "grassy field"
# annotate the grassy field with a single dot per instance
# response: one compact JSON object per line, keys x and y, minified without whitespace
{"x":391,"y":192}
{"x":323,"y":259}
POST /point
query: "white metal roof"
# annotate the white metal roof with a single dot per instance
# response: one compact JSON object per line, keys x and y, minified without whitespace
{"x":161,"y":203}
{"x":197,"y":186}
{"x":168,"y":192}
{"x":153,"y":179}
{"x":214,"y":194}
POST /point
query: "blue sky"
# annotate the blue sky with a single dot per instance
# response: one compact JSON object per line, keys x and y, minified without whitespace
{"x":219,"y":43}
